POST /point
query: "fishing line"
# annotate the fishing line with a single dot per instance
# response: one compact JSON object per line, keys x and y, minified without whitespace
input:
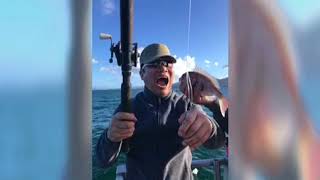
{"x":189,"y":83}
{"x":188,"y":79}
{"x":189,"y":23}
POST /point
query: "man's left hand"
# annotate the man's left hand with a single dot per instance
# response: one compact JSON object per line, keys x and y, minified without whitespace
{"x":195,"y":128}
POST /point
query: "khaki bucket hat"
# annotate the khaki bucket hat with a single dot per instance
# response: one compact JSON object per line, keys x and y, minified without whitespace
{"x":154,"y":52}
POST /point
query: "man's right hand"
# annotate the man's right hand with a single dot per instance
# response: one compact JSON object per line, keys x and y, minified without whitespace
{"x":121,"y":127}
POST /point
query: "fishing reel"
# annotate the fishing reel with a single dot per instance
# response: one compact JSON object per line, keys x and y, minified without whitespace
{"x":115,"y":49}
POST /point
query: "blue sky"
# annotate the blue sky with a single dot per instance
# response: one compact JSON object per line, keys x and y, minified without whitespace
{"x":164,"y":21}
{"x":34,"y":42}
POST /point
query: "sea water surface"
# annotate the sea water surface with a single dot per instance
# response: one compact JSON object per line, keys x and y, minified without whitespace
{"x":104,"y":102}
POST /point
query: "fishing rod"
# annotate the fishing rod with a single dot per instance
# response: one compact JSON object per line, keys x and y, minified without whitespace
{"x":125,"y":51}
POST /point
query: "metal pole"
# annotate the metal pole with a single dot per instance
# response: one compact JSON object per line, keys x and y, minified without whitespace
{"x":79,"y":141}
{"x":126,"y":18}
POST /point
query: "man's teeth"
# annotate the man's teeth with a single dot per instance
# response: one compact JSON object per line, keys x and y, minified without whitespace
{"x":162,"y":81}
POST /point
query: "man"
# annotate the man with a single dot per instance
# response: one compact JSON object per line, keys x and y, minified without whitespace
{"x":163,"y":128}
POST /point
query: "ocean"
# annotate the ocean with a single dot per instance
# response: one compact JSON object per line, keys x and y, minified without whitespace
{"x":104,"y":102}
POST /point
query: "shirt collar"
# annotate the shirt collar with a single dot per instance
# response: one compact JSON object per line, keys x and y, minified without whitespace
{"x":154,"y":98}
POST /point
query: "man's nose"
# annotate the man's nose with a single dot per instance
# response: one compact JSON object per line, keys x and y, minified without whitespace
{"x":163,"y":68}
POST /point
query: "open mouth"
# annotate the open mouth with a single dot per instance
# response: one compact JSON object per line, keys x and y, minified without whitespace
{"x":163,"y":81}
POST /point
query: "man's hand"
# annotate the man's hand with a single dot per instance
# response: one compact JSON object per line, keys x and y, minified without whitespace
{"x":195,"y":128}
{"x":122,"y":126}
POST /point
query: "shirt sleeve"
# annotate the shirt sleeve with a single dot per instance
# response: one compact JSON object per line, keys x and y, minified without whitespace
{"x":107,"y":151}
{"x":218,"y":137}
{"x":222,"y":121}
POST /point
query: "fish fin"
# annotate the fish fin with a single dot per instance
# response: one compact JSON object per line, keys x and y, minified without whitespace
{"x":224,"y":104}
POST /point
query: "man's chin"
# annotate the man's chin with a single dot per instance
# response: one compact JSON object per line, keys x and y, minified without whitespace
{"x":164,"y":92}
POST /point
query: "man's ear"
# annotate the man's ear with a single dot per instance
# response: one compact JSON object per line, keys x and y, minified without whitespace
{"x":141,"y":72}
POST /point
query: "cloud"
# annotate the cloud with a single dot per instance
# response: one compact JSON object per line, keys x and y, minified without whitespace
{"x":183,"y":65}
{"x":224,"y":75}
{"x":135,"y":70}
{"x":112,"y":70}
{"x":140,"y":49}
{"x":216,"y":63}
{"x":117,"y":70}
{"x":94,"y":61}
{"x":207,"y":61}
{"x":108,"y":6}
{"x":225,"y":69}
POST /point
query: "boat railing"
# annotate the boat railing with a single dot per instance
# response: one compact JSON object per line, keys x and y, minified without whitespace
{"x":216,"y":164}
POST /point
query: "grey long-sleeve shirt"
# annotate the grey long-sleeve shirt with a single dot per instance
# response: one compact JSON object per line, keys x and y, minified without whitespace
{"x":155,"y":150}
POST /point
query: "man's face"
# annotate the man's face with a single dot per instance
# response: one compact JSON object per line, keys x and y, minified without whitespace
{"x":158,"y":78}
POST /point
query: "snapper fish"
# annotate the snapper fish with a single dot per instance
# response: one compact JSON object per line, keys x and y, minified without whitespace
{"x":201,"y":87}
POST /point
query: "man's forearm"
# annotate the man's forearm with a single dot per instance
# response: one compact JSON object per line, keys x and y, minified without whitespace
{"x":107,"y":151}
